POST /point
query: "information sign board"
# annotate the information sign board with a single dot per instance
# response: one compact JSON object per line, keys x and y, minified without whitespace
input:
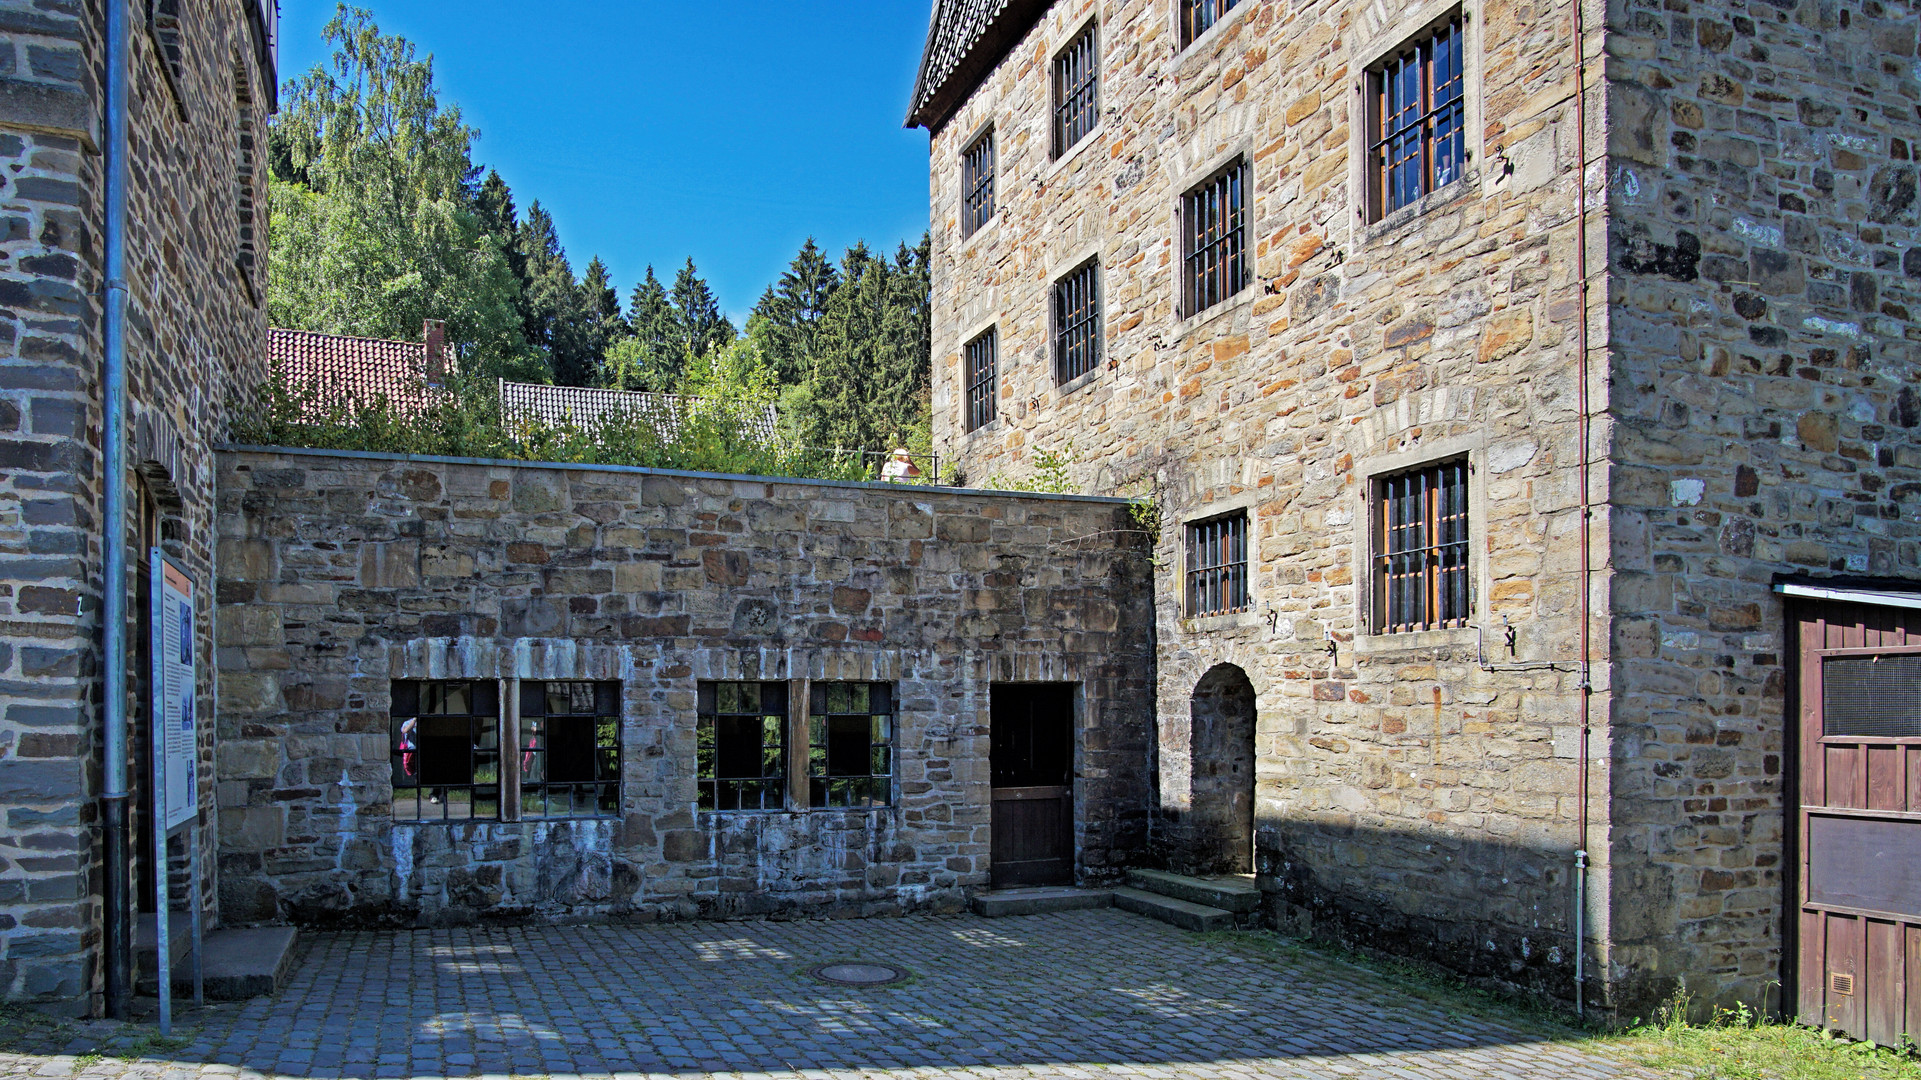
{"x":176,"y":736}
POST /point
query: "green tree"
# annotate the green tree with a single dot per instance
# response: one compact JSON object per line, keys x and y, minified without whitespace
{"x":790,"y":311}
{"x":702,"y":326}
{"x":870,"y":391}
{"x":374,"y":216}
{"x":652,"y":356}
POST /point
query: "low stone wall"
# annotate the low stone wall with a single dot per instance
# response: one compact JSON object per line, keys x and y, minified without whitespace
{"x":340,"y":573}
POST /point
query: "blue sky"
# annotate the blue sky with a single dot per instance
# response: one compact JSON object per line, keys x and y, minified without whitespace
{"x":656,"y":130}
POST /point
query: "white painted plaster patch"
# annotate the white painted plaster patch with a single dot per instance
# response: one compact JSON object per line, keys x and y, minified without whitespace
{"x":1687,"y":492}
{"x":1754,"y":230}
{"x":1831,"y":326}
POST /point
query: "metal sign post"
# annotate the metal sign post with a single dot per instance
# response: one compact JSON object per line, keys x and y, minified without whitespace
{"x":176,"y":759}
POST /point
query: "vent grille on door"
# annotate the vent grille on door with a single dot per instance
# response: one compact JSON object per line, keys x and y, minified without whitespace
{"x":1841,"y":985}
{"x":1872,"y":696}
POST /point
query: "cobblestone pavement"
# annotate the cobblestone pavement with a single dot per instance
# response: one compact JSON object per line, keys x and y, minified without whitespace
{"x":1080,"y":994}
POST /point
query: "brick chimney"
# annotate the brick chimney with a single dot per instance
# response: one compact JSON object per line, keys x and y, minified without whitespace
{"x":434,"y":333}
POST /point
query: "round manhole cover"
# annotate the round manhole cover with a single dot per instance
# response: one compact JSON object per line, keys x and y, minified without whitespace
{"x":859,"y":974}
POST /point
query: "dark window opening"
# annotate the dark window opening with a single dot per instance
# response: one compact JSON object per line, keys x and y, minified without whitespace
{"x":1214,"y":241}
{"x":1077,"y":323}
{"x":446,"y":750}
{"x":1875,"y":697}
{"x":246,"y":255}
{"x":1217,"y":565}
{"x":742,"y":745}
{"x":850,"y":752}
{"x":977,"y":185}
{"x":569,"y":749}
{"x":1418,"y":121}
{"x":1076,"y":91}
{"x":983,"y":382}
{"x":1420,"y":565}
{"x":1198,"y":15}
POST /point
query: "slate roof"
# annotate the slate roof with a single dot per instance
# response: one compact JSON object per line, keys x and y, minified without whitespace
{"x":350,"y":371}
{"x":585,"y":405}
{"x":965,"y":39}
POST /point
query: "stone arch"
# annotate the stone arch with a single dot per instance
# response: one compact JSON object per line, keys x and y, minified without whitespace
{"x":1221,"y":783}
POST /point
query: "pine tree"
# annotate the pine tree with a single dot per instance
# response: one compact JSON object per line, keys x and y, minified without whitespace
{"x":702,"y":326}
{"x":654,"y":355}
{"x":792,"y":311}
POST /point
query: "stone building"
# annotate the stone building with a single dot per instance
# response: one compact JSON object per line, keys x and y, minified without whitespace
{"x":1513,"y":383}
{"x":202,"y":85}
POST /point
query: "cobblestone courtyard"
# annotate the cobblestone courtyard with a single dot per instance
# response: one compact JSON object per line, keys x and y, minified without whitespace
{"x":1091,"y":993}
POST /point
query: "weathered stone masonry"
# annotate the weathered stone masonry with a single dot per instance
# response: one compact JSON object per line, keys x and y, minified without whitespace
{"x":340,"y":573}
{"x":195,"y":325}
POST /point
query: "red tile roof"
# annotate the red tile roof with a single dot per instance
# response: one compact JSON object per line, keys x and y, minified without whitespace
{"x":350,"y":371}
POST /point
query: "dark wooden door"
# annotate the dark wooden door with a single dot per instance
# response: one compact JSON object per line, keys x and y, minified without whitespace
{"x":1032,"y":763}
{"x":1858,"y":952}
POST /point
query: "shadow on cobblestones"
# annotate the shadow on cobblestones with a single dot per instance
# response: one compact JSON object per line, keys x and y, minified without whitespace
{"x":1087,"y":993}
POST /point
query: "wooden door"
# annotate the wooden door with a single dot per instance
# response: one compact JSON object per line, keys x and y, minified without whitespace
{"x":1859,"y":821}
{"x":1032,"y":762}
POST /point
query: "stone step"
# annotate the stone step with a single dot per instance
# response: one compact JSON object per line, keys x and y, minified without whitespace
{"x":240,"y":964}
{"x":1168,"y":909}
{"x":1229,"y":892}
{"x":146,"y":941}
{"x":1038,"y":901}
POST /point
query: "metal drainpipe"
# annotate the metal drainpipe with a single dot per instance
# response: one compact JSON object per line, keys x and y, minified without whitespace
{"x":1587,"y":515}
{"x":113,"y":436}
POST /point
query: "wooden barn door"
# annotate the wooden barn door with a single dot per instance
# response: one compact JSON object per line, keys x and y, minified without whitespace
{"x":1033,"y":763}
{"x":1859,"y":933}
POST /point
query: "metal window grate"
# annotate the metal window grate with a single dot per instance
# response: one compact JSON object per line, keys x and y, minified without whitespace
{"x":1077,"y":323}
{"x":741,"y":745}
{"x":1076,"y":91}
{"x":850,"y":745}
{"x":1198,"y":15}
{"x":1420,"y":119}
{"x":1871,"y":696}
{"x":1217,"y":565}
{"x":1214,"y":217}
{"x":1420,"y":565}
{"x":977,"y":184}
{"x":446,"y":750}
{"x":569,"y":749}
{"x":983,"y":382}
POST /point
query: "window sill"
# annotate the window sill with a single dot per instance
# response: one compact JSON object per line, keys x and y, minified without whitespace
{"x":1238,"y":304}
{"x":1201,"y":49}
{"x":984,"y":429}
{"x":1061,"y":390}
{"x":1073,"y":152}
{"x":1230,"y":620}
{"x":974,"y":239}
{"x":1401,"y":220}
{"x":1375,"y":644}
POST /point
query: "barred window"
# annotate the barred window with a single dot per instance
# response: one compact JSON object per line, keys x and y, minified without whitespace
{"x":1077,"y":323}
{"x":1198,"y":15}
{"x":741,"y":729}
{"x":1418,"y":121}
{"x":1076,"y":90}
{"x":983,"y":381}
{"x":1217,"y":565}
{"x":569,"y":749}
{"x":1420,"y":561}
{"x":446,"y":750}
{"x":850,"y":745}
{"x":977,"y":184}
{"x":1214,"y":220}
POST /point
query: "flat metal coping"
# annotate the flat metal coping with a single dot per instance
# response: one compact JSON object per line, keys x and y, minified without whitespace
{"x":641,"y":470}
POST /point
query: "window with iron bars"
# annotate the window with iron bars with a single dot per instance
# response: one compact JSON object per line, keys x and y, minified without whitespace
{"x":850,"y":745}
{"x":569,"y":749}
{"x":741,"y":745}
{"x":446,"y":750}
{"x":1217,"y":565}
{"x":1214,"y":244}
{"x":1076,"y":91}
{"x":1077,"y":323}
{"x":1418,"y":119}
{"x":1198,"y":15}
{"x":983,"y":381}
{"x":977,"y":184}
{"x":1421,"y":549}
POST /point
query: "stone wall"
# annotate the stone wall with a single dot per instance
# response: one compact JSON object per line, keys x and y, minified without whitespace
{"x":1763,"y":283}
{"x":340,"y":573}
{"x":1414,"y":791}
{"x":196,"y":327}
